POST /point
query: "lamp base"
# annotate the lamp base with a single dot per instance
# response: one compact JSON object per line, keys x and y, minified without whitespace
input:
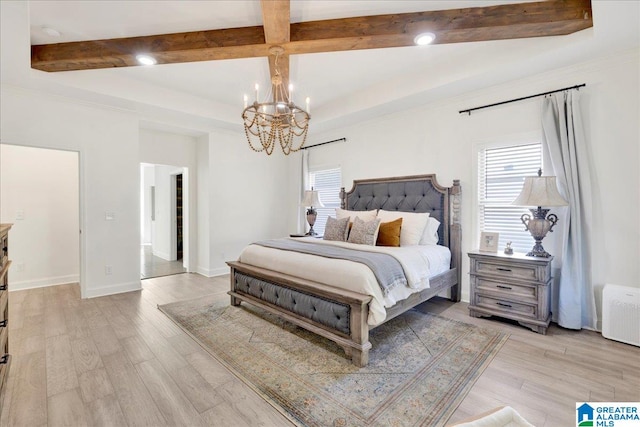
{"x":538,"y":251}
{"x":539,"y":226}
{"x":311,"y":219}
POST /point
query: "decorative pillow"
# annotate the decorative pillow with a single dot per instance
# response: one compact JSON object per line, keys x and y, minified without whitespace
{"x":336,"y":229}
{"x":413,"y":225}
{"x":389,"y":233}
{"x":430,"y":235}
{"x":364,"y":233}
{"x":363,"y":215}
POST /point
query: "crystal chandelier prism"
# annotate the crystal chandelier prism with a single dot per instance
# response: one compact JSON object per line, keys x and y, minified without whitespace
{"x":277,"y":121}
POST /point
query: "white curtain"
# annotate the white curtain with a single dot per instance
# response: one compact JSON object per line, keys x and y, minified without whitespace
{"x":573,"y":302}
{"x":304,"y":185}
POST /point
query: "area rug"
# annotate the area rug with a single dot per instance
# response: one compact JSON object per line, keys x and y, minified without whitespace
{"x":420,"y":368}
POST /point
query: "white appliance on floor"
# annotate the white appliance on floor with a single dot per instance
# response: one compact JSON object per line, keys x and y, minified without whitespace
{"x":621,"y":314}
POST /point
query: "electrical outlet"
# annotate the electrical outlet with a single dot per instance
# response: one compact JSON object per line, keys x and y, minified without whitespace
{"x":108,"y":270}
{"x":20,"y":267}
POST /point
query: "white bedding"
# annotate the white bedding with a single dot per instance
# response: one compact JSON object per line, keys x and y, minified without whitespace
{"x":419,"y":264}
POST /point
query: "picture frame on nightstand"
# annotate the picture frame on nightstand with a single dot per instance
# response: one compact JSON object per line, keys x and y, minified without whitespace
{"x":489,"y":241}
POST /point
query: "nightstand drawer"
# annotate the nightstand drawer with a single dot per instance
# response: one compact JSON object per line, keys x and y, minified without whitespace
{"x":510,"y":291}
{"x":505,"y":306}
{"x":507,"y":270}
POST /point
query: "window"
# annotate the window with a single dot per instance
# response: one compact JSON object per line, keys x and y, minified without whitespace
{"x":501,"y":173}
{"x":327,"y":182}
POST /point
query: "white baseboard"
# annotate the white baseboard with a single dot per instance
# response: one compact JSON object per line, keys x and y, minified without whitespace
{"x":113,"y":289}
{"x":43,"y":283}
{"x":213,"y":272}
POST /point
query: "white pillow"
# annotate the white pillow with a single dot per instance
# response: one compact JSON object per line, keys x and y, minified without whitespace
{"x":430,"y":235}
{"x":366,"y":216}
{"x":413,"y":225}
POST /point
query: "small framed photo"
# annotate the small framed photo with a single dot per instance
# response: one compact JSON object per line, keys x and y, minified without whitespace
{"x":489,"y":241}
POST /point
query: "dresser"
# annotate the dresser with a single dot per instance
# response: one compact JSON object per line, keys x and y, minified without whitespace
{"x":516,"y":287}
{"x":5,"y":358}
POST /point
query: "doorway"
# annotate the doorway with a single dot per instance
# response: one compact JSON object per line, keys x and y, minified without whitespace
{"x":162,"y":220}
{"x":40,"y":195}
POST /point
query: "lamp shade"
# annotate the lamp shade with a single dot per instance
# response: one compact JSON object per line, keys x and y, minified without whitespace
{"x":311,"y":198}
{"x":540,"y":191}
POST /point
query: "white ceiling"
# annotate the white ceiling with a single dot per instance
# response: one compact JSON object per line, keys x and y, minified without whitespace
{"x":339,"y":84}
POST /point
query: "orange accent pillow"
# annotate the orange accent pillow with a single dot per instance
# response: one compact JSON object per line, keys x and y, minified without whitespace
{"x":389,"y":234}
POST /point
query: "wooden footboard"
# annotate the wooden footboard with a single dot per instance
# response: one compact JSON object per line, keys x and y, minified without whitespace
{"x":322,"y":303}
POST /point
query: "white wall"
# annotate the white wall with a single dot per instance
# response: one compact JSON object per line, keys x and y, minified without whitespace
{"x":39,"y":194}
{"x":248,"y":195}
{"x":437,"y":139}
{"x":107,"y":141}
{"x":202,"y":215}
{"x":147,"y":183}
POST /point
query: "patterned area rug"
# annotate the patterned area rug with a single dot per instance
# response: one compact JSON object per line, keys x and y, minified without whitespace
{"x":420,"y":368}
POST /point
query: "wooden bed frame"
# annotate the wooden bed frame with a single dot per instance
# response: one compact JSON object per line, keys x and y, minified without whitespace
{"x":420,"y":193}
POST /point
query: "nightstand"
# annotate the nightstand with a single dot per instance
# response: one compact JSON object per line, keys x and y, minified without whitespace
{"x":516,"y":287}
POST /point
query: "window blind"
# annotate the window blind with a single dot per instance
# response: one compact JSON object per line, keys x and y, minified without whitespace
{"x":327,"y":182}
{"x":501,"y":173}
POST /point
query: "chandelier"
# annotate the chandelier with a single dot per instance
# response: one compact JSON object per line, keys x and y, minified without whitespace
{"x":277,"y":120}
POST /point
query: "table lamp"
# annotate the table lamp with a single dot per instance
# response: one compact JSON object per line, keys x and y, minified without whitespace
{"x":539,"y":191}
{"x":311,"y":199}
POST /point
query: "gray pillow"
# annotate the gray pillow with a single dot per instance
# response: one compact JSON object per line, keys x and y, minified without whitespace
{"x":364,"y":233}
{"x":336,"y":229}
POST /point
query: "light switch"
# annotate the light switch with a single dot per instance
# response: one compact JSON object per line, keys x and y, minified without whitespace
{"x":109,"y":216}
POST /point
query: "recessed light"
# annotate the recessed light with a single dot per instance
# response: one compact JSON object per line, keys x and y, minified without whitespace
{"x":146,"y":59}
{"x":51,"y":31}
{"x":424,"y":39}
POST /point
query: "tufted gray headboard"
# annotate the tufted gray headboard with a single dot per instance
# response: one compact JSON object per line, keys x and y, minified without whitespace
{"x":419,"y":193}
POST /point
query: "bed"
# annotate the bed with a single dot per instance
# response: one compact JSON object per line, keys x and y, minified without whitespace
{"x":338,"y":311}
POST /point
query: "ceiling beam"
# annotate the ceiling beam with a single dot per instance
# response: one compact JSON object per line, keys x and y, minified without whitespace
{"x":246,"y":42}
{"x":508,"y":21}
{"x":276,"y":18}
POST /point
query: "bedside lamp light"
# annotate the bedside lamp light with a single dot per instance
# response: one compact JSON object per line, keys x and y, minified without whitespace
{"x":311,"y":199}
{"x":539,"y":191}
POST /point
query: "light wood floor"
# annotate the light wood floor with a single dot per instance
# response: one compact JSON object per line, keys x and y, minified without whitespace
{"x":118,"y":361}
{"x":153,"y":266}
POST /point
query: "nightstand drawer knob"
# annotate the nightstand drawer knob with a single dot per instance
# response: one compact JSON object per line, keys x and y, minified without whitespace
{"x":504,"y":287}
{"x":503,"y":269}
{"x":3,"y":287}
{"x":3,"y":324}
{"x":501,"y":304}
{"x":4,"y":359}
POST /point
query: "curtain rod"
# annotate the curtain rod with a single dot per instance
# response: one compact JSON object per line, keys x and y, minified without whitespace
{"x":323,"y":143}
{"x":521,"y":99}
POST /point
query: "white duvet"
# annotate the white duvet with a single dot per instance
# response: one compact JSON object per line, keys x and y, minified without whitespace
{"x":419,"y":264}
